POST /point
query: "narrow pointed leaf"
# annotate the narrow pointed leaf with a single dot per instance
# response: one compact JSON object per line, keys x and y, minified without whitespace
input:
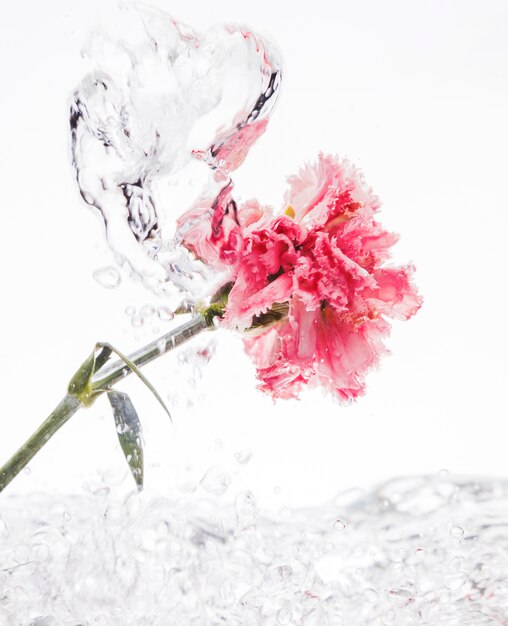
{"x":80,"y":385}
{"x":128,"y":428}
{"x":135,"y":369}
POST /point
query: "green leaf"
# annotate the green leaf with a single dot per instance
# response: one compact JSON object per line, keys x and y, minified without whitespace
{"x":128,"y":428}
{"x":80,"y":385}
{"x":135,"y":369}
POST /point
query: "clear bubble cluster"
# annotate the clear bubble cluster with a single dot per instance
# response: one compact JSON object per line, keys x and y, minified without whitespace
{"x":399,"y":560}
{"x":107,"y":277}
{"x":138,"y":317}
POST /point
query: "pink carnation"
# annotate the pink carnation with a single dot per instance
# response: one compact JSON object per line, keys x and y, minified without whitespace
{"x":322,"y":260}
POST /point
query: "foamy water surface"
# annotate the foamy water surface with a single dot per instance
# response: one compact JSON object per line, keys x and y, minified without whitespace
{"x":429,"y":551}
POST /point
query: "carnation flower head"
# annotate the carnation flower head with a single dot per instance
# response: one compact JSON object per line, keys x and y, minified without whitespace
{"x":312,"y":280}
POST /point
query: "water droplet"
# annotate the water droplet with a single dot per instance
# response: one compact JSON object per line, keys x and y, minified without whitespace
{"x":279,"y":574}
{"x":389,"y":618}
{"x":137,"y":321}
{"x":130,"y":311}
{"x":216,"y":481}
{"x":122,"y":428}
{"x":457,"y":532}
{"x":456,"y":580}
{"x":421,"y":553}
{"x":284,"y":617}
{"x":243,"y":456}
{"x":339,"y":525}
{"x":246,"y":509}
{"x":445,"y":598}
{"x":147,"y":310}
{"x":40,"y":552}
{"x":456,"y":564}
{"x":226,"y":590}
{"x":107,"y":277}
{"x":27,"y":470}
{"x":161,"y":346}
{"x":400,"y":597}
{"x":67,"y":516}
{"x":370,"y":596}
{"x":165,"y":314}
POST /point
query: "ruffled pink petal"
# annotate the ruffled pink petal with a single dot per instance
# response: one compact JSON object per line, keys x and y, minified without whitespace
{"x":279,"y":374}
{"x":211,"y":230}
{"x":194,"y":229}
{"x":326,"y":274}
{"x":244,"y":303}
{"x":302,"y":333}
{"x":317,"y":348}
{"x":215,"y":230}
{"x":253,"y":216}
{"x":232,"y":152}
{"x":308,"y":188}
{"x":263,"y":347}
{"x":395,"y":295}
{"x":344,"y":353}
{"x":329,"y":192}
{"x":282,"y":380}
{"x":326,"y":264}
{"x":364,"y":240}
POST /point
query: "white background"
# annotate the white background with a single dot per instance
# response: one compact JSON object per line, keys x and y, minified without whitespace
{"x":416,"y":93}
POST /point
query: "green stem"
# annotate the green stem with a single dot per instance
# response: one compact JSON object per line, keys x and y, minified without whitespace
{"x":111,"y":374}
{"x":101,"y":382}
{"x":67,"y":407}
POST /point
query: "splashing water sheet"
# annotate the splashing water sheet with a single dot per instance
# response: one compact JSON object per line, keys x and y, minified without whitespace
{"x":160,"y":122}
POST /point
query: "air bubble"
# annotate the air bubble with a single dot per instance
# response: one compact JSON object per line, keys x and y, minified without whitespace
{"x":421,"y":553}
{"x":456,"y":580}
{"x":137,"y":321}
{"x":216,"y":481}
{"x":107,"y":277}
{"x":284,"y":617}
{"x":339,"y":525}
{"x":147,"y":310}
{"x":457,"y":532}
{"x":243,"y":456}
{"x":165,"y":314}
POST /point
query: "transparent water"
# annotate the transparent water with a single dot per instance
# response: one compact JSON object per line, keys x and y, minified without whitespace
{"x":427,"y":551}
{"x":158,"y":125}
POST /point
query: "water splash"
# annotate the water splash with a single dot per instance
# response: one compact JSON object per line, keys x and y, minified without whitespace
{"x":154,"y":561}
{"x":163,"y":118}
